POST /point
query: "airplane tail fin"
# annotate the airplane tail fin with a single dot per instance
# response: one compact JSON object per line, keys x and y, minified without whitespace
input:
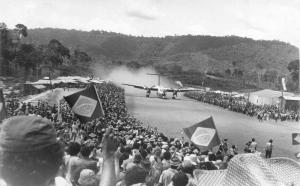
{"x":179,"y":84}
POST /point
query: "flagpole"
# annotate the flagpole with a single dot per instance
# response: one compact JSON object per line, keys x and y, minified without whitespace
{"x":99,"y":100}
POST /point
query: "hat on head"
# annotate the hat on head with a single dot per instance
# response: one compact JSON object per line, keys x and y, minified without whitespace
{"x":92,"y":135}
{"x":164,"y":146}
{"x":196,"y":151}
{"x":26,"y":134}
{"x":146,"y":164}
{"x":251,"y":169}
{"x":193,"y":158}
{"x":175,"y":161}
{"x":87,"y":177}
{"x":187,"y":163}
{"x":157,"y":149}
{"x":137,"y":158}
{"x":172,"y":148}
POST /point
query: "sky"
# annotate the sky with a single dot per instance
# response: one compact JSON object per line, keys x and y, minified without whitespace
{"x":257,"y":19}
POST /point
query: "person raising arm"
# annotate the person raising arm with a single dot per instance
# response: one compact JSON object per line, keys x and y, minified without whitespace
{"x":109,"y":147}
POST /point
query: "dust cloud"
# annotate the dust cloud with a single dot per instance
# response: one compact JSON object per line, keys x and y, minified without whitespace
{"x":122,"y":74}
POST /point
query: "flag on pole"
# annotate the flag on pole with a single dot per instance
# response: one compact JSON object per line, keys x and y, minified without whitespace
{"x":2,"y":107}
{"x":203,"y":134}
{"x":283,"y":81}
{"x":86,"y":104}
{"x":295,"y":138}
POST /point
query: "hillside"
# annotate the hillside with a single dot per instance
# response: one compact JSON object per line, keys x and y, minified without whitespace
{"x":231,"y":56}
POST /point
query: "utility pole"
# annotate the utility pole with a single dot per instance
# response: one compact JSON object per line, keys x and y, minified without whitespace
{"x":281,"y":104}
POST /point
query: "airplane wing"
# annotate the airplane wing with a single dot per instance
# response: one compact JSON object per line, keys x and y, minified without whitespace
{"x":183,"y":89}
{"x":189,"y":89}
{"x":141,"y":87}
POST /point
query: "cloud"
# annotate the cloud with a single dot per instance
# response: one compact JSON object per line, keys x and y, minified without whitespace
{"x":140,"y":15}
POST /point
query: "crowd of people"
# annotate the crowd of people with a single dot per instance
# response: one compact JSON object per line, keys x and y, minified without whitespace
{"x":241,"y":105}
{"x":115,"y":149}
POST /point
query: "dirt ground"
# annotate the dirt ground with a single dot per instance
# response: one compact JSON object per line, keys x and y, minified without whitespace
{"x":170,"y":116}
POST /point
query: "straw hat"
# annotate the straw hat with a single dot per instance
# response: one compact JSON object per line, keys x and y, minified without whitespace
{"x":87,"y":176}
{"x":175,"y":161}
{"x":251,"y":170}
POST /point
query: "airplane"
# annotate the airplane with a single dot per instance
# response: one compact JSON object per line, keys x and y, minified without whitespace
{"x":162,"y":91}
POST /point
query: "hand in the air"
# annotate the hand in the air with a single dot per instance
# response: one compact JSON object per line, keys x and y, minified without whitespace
{"x":110,"y":143}
{"x":118,"y":153}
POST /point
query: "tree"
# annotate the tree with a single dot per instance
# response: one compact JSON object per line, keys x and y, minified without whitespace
{"x":9,"y":41}
{"x":293,"y":68}
{"x":81,"y":57}
{"x":28,"y":57}
{"x":134,"y":65}
{"x":56,"y":53}
{"x":5,"y":47}
{"x":22,"y":30}
{"x":228,"y":72}
{"x":237,"y":73}
{"x":175,"y":69}
{"x":270,"y":76}
{"x":259,"y":69}
{"x":293,"y":65}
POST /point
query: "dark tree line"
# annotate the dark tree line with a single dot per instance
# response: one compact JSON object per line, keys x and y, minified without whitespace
{"x":18,"y":56}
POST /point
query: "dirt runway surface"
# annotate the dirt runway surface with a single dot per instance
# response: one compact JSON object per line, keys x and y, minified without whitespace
{"x":170,"y":116}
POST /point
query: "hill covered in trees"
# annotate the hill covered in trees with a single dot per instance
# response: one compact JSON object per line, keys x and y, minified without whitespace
{"x":256,"y":62}
{"x":236,"y":60}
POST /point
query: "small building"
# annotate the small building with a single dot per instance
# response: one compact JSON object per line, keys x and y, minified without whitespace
{"x":268,"y":97}
{"x":291,"y":103}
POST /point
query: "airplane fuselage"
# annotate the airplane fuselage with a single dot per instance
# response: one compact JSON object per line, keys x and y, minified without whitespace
{"x":161,"y":92}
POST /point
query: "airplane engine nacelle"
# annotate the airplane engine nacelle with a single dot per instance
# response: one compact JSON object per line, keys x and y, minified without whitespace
{"x":148,"y":93}
{"x":164,"y":94}
{"x":174,"y":94}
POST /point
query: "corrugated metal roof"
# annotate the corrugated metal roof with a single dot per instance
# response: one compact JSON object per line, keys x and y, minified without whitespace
{"x":292,"y":98}
{"x":39,"y":86}
{"x":271,"y":93}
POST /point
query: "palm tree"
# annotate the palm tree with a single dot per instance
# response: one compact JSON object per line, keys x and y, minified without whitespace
{"x":22,"y":30}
